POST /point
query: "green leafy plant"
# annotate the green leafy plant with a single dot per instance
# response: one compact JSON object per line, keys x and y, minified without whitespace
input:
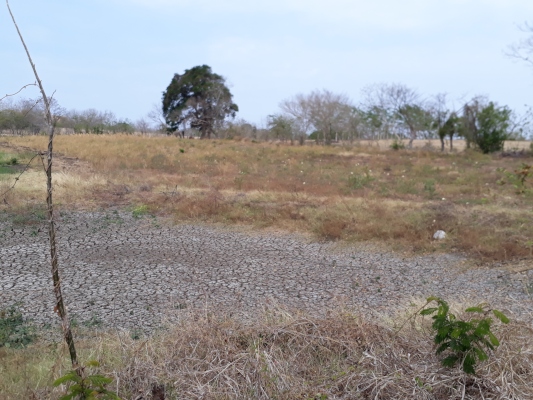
{"x":465,"y":341}
{"x":15,"y":332}
{"x":86,"y":387}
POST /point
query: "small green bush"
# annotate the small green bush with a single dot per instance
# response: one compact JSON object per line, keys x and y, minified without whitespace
{"x":397,"y":145}
{"x":15,"y":332}
{"x":464,"y":341}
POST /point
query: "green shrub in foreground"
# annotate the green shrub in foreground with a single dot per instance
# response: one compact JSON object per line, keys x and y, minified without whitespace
{"x":464,"y":341}
{"x":86,"y":387}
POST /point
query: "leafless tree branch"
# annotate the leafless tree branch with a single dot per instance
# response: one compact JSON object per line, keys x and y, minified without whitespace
{"x":523,"y":50}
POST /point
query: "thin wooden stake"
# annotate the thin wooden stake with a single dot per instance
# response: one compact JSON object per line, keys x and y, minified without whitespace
{"x":60,"y":305}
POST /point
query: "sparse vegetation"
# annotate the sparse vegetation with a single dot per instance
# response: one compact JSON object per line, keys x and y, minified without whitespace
{"x":386,"y":197}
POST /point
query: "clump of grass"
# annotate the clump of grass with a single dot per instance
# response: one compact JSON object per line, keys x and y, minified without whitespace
{"x":8,"y":159}
{"x":360,"y":180}
{"x":7,"y":162}
{"x":140,"y":211}
{"x":331,"y":226}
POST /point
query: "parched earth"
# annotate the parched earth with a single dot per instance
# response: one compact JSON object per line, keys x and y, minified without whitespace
{"x":137,"y":273}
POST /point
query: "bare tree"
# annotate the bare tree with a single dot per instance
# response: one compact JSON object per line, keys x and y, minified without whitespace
{"x":51,"y":121}
{"x":329,"y":114}
{"x":299,"y":110}
{"x":142,"y":126}
{"x":401,"y":106}
{"x":18,"y":91}
{"x":438,"y":107}
{"x":157,"y":117}
{"x":523,"y":50}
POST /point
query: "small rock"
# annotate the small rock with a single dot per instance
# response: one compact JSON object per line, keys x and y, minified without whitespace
{"x":439,"y":235}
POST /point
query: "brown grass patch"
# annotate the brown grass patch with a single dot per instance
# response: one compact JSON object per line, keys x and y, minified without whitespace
{"x":399,"y":198}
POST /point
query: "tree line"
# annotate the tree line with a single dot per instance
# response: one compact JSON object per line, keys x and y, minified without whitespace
{"x":27,"y":117}
{"x":199,"y":100}
{"x":199,"y":103}
{"x":395,"y":111}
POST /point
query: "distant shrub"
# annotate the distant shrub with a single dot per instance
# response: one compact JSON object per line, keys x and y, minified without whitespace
{"x":397,"y":145}
{"x":331,"y":227}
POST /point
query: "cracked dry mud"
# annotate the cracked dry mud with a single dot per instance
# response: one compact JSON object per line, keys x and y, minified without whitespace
{"x":129,"y":272}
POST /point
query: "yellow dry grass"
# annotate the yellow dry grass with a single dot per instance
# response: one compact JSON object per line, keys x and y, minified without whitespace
{"x":351,"y":192}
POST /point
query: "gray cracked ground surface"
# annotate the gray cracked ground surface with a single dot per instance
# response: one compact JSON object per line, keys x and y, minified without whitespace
{"x":129,"y":272}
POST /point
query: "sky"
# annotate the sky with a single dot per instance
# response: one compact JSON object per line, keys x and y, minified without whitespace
{"x":120,"y":55}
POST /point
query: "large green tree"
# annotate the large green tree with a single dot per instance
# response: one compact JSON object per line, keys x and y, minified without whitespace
{"x":485,"y":125}
{"x":197,"y":99}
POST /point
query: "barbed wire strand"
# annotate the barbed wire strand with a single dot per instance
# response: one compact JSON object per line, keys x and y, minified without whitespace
{"x":21,"y":89}
{"x":18,"y":177}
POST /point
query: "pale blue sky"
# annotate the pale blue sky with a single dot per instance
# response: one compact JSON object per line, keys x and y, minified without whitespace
{"x":120,"y":55}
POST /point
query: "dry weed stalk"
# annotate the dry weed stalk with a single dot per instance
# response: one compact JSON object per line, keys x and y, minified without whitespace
{"x":60,"y":307}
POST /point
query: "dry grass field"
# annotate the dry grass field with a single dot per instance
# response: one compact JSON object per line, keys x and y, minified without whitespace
{"x":362,"y":192}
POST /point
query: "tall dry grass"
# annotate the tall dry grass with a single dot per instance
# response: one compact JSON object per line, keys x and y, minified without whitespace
{"x":281,"y":355}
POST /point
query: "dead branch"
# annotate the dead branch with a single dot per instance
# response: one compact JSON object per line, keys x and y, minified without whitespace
{"x":59,"y":307}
